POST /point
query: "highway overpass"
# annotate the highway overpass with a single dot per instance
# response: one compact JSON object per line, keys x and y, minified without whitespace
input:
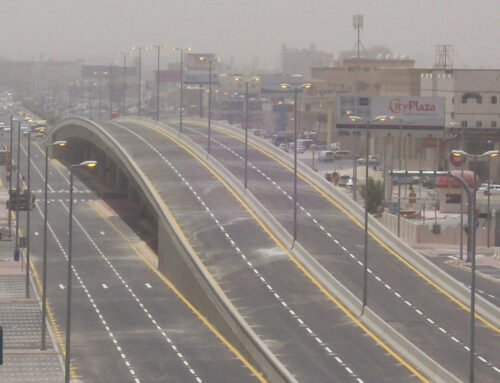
{"x":293,"y":313}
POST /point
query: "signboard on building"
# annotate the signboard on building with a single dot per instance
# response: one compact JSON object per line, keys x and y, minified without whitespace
{"x":199,"y":77}
{"x":169,"y":75}
{"x":412,"y":112}
{"x":322,"y":91}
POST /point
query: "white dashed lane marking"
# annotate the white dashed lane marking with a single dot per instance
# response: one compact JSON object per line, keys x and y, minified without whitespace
{"x":346,"y":251}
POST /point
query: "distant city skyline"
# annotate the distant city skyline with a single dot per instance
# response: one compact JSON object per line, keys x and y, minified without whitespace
{"x":251,"y":32}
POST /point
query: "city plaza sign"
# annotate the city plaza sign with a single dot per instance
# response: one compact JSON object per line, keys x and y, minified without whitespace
{"x":409,"y":112}
{"x":397,"y":106}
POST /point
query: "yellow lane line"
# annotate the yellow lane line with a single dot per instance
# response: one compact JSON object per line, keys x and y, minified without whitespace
{"x":52,"y":320}
{"x":377,"y":239}
{"x":181,"y":297}
{"x":290,"y":256}
{"x":202,"y":318}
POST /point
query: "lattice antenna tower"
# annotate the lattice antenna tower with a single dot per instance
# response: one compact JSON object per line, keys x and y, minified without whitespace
{"x":444,"y":57}
{"x":357,"y":23}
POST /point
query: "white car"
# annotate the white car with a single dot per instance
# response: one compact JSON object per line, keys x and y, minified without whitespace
{"x":494,"y":190}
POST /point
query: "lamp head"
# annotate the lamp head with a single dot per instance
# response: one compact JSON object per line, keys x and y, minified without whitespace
{"x":355,"y":118}
{"x":492,"y":154}
{"x":458,"y":153}
{"x":88,"y":164}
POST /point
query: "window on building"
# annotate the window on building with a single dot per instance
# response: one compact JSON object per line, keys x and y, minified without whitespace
{"x":493,"y":99}
{"x":474,"y":95}
{"x":464,"y":123}
{"x":452,"y":115}
{"x":453,"y":100}
{"x":366,"y":69}
{"x":493,"y":124}
{"x":479,"y":124}
{"x":363,"y":101}
{"x":350,"y":69}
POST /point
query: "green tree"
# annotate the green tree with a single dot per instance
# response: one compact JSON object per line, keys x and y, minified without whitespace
{"x":375,"y":194}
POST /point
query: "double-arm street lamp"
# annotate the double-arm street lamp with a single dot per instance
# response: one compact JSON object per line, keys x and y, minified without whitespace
{"x":124,"y":83}
{"x":247,"y":82}
{"x":44,"y":267}
{"x":367,"y":200}
{"x":471,"y":256}
{"x":140,"y":49}
{"x":88,"y":165}
{"x":158,"y":47}
{"x":210,"y":60}
{"x":296,"y":89}
{"x":100,"y":76}
{"x":182,"y":50}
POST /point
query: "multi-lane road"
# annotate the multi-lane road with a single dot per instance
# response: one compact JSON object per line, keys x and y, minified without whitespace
{"x":409,"y":301}
{"x":131,"y":324}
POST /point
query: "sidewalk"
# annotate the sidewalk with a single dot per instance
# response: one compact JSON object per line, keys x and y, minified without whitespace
{"x":20,"y":318}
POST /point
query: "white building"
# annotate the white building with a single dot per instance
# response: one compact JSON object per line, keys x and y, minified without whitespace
{"x":472,"y":107}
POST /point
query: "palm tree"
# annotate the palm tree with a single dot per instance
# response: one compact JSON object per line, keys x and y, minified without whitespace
{"x":375,"y":194}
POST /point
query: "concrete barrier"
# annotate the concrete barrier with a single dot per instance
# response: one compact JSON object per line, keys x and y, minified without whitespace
{"x":455,"y":288}
{"x":407,"y":350}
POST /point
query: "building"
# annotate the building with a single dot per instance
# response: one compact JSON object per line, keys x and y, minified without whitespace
{"x":300,"y":61}
{"x":472,"y":109}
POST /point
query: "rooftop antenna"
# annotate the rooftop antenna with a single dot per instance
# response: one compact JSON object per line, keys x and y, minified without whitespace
{"x":357,"y":23}
{"x":444,"y":57}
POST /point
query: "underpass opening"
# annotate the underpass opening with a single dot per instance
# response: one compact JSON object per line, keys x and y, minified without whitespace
{"x":119,"y":195}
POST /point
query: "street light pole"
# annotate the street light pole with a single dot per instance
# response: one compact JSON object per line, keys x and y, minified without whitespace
{"x":246,"y":135}
{"x":124,"y":85}
{"x":296,"y":89}
{"x":472,"y":230}
{"x":355,"y":165}
{"x":210,"y":60}
{"x":28,"y":174}
{"x":472,"y":247}
{"x":181,"y":95}
{"x":209,"y":102}
{"x":67,"y":361}
{"x":140,"y":77}
{"x":17,"y":185}
{"x":139,"y":91}
{"x":158,"y":84}
{"x":44,"y":271}
{"x":295,"y":165}
{"x":399,"y":180}
{"x":367,"y":199}
{"x":10,"y":174}
{"x":488,"y":208}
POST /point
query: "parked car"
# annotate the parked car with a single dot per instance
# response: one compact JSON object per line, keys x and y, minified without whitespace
{"x":345,"y":180}
{"x":429,"y":182}
{"x":493,"y":190}
{"x":319,"y":146}
{"x":342,"y":154}
{"x":283,"y":147}
{"x":405,"y":180}
{"x":326,"y":156}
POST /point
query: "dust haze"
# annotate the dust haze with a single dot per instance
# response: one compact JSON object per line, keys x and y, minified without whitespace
{"x":246,"y":31}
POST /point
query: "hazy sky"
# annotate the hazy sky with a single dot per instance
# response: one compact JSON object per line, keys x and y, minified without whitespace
{"x":96,"y":30}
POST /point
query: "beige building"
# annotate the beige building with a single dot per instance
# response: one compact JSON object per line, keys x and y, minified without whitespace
{"x":472,"y":109}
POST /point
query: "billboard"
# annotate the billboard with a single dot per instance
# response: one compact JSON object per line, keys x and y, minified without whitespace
{"x":414,"y":112}
{"x":199,"y":77}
